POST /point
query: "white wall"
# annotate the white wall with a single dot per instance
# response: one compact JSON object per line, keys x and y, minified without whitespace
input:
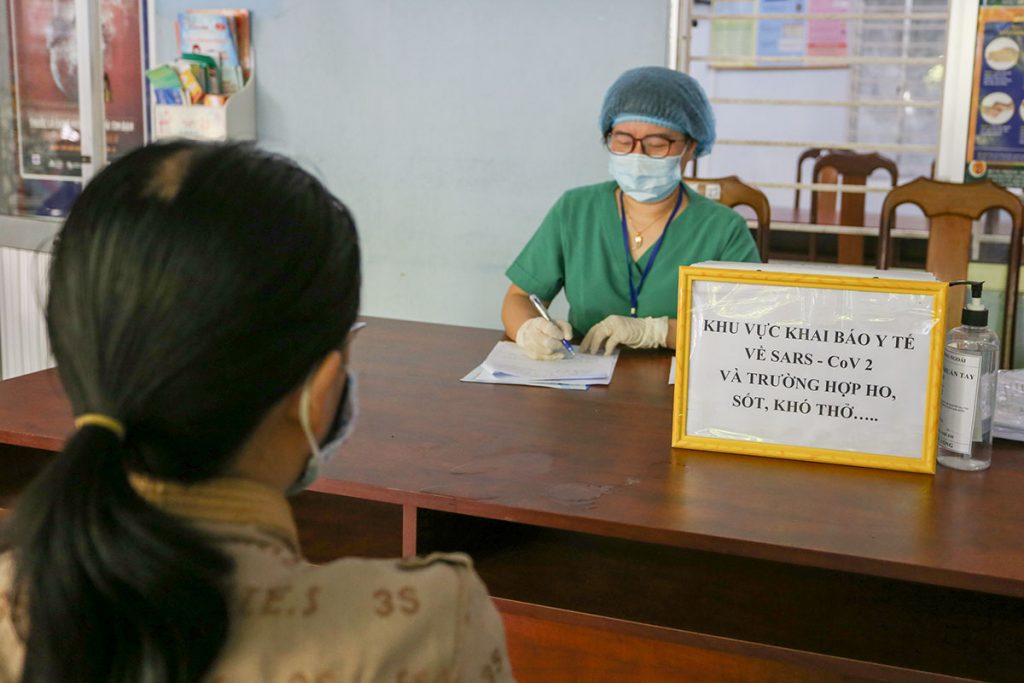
{"x":448,"y":126}
{"x":451,"y":126}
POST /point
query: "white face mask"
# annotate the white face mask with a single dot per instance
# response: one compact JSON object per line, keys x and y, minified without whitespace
{"x":645,"y":178}
{"x":341,"y":428}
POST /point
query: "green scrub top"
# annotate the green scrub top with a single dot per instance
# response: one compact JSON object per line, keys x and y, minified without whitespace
{"x":579,"y":246}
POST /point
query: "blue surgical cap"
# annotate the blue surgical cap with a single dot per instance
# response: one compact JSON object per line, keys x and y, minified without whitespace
{"x":664,"y":97}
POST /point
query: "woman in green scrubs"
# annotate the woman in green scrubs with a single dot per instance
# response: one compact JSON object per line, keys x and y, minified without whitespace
{"x":616,"y":247}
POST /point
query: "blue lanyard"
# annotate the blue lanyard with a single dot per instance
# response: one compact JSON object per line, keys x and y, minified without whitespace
{"x":634,"y":290}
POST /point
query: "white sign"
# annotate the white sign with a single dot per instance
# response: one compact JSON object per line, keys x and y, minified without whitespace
{"x":821,"y":368}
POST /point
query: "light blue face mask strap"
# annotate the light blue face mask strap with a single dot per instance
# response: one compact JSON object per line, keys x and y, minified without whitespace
{"x":350,"y":399}
{"x":314,"y":447}
{"x":311,"y":469}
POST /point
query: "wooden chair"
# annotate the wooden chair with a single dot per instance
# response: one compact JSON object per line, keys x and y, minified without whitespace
{"x":811,"y":153}
{"x":732,"y":192}
{"x":951,"y":209}
{"x":853,"y":169}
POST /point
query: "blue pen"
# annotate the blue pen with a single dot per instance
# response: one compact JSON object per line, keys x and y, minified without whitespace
{"x":544,"y":314}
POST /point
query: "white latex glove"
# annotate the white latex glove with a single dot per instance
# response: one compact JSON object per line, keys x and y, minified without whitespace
{"x":636,"y":333}
{"x":542,"y":340}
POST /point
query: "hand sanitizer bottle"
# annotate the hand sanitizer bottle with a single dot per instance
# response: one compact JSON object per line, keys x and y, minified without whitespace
{"x":968,"y":388}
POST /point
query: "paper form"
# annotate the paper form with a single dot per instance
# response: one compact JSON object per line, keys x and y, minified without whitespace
{"x":508,"y":364}
{"x":481,"y":375}
{"x":508,"y":359}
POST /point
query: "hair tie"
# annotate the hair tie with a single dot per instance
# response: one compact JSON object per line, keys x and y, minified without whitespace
{"x":99,"y":420}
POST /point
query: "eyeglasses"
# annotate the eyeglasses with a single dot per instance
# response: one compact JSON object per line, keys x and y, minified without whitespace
{"x":657,"y":146}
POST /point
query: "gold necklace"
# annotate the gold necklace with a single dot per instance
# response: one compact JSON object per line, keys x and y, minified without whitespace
{"x":638,"y":235}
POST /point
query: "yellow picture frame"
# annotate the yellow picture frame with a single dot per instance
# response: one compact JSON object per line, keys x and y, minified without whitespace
{"x":925,"y":463}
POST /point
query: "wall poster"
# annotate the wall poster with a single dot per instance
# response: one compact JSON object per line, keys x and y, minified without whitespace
{"x":746,"y":43}
{"x":46,"y":83}
{"x":995,"y":141}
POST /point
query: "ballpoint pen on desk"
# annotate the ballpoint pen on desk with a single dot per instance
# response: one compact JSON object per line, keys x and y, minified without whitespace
{"x":544,"y":314}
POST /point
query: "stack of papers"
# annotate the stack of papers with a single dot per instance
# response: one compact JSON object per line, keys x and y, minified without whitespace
{"x":1008,"y":422}
{"x":509,"y":364}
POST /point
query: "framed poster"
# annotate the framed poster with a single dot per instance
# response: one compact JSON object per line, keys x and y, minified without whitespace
{"x":995,"y":140}
{"x":46,"y":83}
{"x":806,"y":366}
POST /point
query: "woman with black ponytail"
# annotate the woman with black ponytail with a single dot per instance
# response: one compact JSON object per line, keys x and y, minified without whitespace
{"x":201,"y":298}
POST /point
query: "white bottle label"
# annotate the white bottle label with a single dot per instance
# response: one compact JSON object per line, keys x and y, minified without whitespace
{"x":961,"y":379}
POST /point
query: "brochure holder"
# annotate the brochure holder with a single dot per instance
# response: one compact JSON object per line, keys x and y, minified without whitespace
{"x":236,"y":120}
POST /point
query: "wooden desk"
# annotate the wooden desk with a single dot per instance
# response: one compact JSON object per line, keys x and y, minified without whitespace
{"x":613,"y":559}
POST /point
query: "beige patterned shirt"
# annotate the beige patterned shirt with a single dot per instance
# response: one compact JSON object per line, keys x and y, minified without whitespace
{"x":421,"y":620}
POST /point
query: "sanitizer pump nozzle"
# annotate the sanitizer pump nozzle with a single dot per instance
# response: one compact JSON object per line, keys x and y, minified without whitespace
{"x":974,"y":314}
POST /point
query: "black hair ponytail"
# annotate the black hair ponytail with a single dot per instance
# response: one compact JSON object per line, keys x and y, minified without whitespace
{"x":193,"y":286}
{"x":147,"y":592}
